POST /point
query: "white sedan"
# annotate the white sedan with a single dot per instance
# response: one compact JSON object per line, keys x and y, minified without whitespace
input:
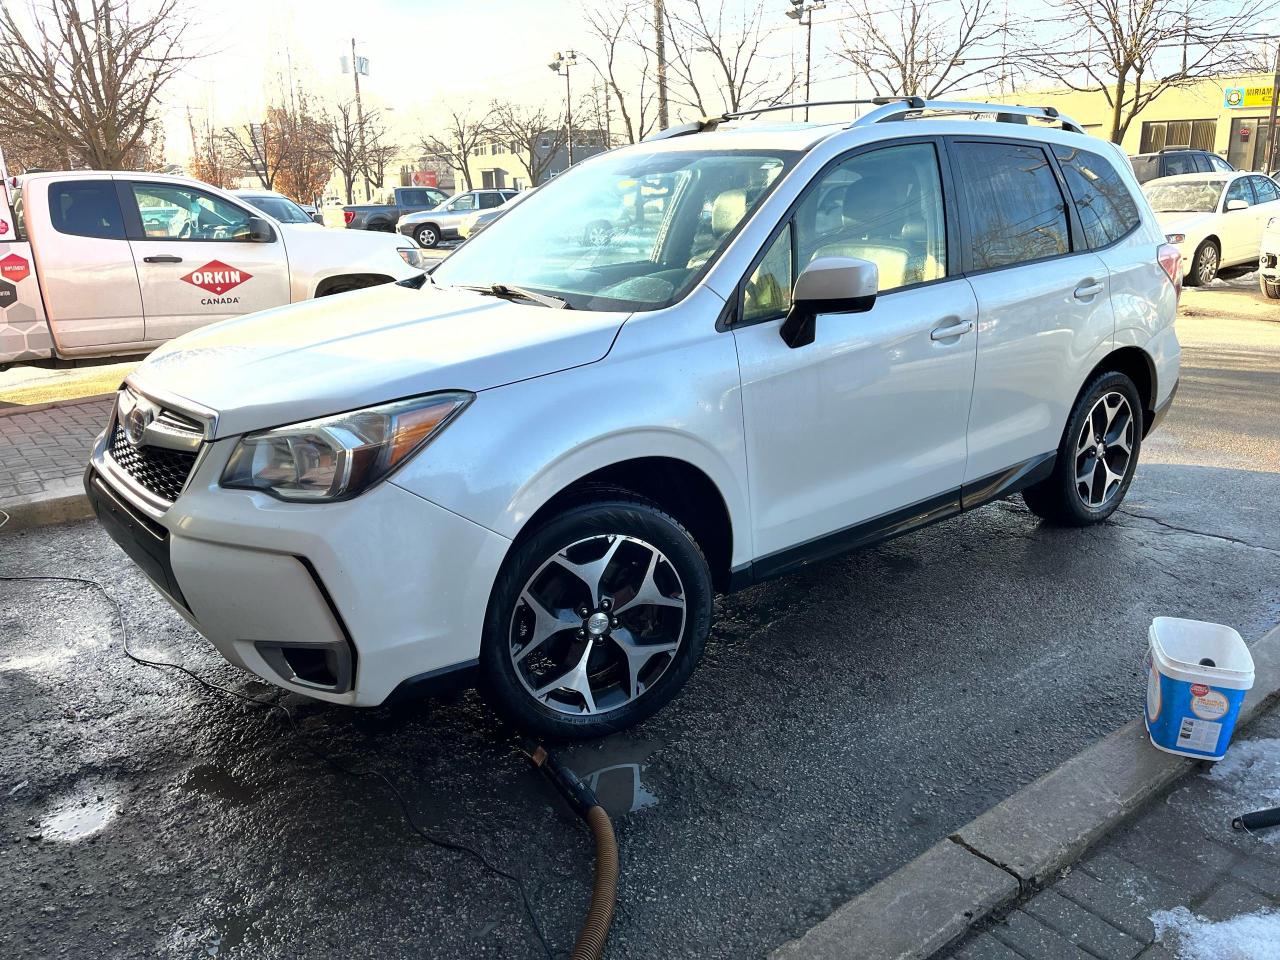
{"x":1215,"y":219}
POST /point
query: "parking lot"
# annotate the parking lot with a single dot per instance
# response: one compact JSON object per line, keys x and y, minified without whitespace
{"x":843,"y":720}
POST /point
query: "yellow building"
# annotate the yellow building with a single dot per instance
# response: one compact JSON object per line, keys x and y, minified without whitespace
{"x":1227,"y":115}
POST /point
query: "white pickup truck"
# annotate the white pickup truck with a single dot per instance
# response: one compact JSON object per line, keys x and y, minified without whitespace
{"x":112,"y":263}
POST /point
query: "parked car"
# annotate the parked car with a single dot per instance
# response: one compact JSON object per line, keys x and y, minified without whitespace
{"x":1269,"y":259}
{"x":1214,"y":219}
{"x":1174,"y":163}
{"x":429,"y":228}
{"x":110,"y":263}
{"x":535,"y":470}
{"x":280,"y":207}
{"x":383,"y":216}
{"x":476,"y":221}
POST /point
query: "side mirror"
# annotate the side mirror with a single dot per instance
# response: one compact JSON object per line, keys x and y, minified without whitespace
{"x":318,"y":217}
{"x":1236,"y":205}
{"x":260,"y":231}
{"x":829,"y":285}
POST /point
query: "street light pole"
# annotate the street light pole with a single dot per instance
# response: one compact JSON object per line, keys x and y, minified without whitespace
{"x":566,"y":60}
{"x":802,"y":13}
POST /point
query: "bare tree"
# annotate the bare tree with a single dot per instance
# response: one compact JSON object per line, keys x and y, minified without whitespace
{"x":211,"y":159}
{"x":727,"y":35}
{"x":86,"y":75}
{"x":527,"y":129}
{"x":1132,"y":51}
{"x":342,"y":145}
{"x":300,"y":132}
{"x":463,"y":133}
{"x":912,"y":50}
{"x":253,"y":147}
{"x":624,"y":60}
{"x":379,"y":150}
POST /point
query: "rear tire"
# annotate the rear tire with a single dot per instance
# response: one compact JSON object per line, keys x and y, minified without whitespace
{"x":1270,"y":288}
{"x":1204,"y":264}
{"x":1097,"y":457}
{"x":654,"y":591}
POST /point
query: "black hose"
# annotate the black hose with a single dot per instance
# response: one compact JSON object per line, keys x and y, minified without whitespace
{"x":1258,"y":820}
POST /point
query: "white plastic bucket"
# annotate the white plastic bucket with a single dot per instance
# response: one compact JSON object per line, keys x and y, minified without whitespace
{"x":1192,"y":706}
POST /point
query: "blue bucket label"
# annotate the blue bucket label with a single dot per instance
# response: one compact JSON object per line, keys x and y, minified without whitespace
{"x":1193,"y":719}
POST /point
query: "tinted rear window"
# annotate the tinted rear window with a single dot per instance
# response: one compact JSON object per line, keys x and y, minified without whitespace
{"x":86,"y":208}
{"x":1106,"y":208}
{"x":1016,"y":212}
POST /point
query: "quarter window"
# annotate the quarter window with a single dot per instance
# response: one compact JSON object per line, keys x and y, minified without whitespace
{"x":175,"y":212}
{"x":1016,"y":212}
{"x":884,"y":206}
{"x":86,"y":208}
{"x":1106,"y":208}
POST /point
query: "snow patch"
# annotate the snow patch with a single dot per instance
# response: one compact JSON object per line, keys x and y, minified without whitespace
{"x":1250,"y":936}
{"x":1250,"y":775}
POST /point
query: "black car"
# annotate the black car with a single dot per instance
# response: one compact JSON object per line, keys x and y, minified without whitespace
{"x":1171,"y":163}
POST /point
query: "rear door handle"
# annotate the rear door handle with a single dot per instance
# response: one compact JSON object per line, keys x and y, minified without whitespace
{"x":951,"y":331}
{"x":1088,"y":288}
{"x":162,"y":258}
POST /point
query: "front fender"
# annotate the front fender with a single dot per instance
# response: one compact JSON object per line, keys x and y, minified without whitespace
{"x":318,"y":255}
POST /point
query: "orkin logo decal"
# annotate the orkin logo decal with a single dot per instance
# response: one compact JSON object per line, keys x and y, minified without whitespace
{"x":216,"y":277}
{"x":14,"y":268}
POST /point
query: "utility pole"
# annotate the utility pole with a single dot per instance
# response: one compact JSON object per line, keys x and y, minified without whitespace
{"x":364,"y":152}
{"x":1268,"y":158}
{"x":802,"y":13}
{"x":660,"y":49}
{"x":560,"y":65}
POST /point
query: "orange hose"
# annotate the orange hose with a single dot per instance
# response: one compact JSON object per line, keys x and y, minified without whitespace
{"x":595,"y":929}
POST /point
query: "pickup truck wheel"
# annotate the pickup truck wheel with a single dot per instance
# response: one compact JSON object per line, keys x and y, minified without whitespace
{"x":1270,"y":288}
{"x":596,"y":620}
{"x":1097,"y":457}
{"x":427,"y":236}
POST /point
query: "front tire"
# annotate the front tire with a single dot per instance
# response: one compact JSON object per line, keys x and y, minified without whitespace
{"x":1204,"y":265}
{"x":427,"y":236}
{"x":596,"y":620}
{"x":1097,"y":457}
{"x":1270,"y":288}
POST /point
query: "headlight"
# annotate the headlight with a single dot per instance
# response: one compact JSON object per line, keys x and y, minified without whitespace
{"x":413,"y":257}
{"x":338,"y":457}
{"x":1175,"y":237}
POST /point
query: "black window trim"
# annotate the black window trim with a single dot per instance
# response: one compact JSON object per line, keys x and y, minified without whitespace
{"x":133,"y":228}
{"x":1118,"y":240}
{"x":110,"y":182}
{"x":731,"y":317}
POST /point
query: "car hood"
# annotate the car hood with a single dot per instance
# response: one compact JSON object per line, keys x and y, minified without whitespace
{"x":358,"y":349}
{"x":1182,"y":222}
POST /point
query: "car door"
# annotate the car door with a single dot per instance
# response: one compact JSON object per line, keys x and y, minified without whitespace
{"x":1043,"y":303}
{"x":195,"y":260}
{"x":1237,"y":227}
{"x":861,"y":431}
{"x":87,"y":277}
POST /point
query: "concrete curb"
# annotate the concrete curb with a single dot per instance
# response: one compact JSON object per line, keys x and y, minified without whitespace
{"x":1016,"y":845}
{"x":63,"y":501}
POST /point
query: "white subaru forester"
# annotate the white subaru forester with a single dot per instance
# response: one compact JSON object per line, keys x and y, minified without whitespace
{"x":534,"y":469}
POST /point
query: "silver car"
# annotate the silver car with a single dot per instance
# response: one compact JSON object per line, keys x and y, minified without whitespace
{"x":429,"y":228}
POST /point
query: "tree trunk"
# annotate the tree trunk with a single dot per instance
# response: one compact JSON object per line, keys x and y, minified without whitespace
{"x":1117,"y":109}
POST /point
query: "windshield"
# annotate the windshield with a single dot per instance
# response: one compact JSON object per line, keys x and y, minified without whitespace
{"x":1186,"y":196}
{"x":626,"y":231}
{"x":282,"y":208}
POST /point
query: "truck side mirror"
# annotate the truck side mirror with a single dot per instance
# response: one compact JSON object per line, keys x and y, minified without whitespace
{"x":829,"y":285}
{"x":259,"y":231}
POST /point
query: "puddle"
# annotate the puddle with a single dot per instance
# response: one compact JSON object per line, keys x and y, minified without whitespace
{"x":214,"y":781}
{"x":216,"y":936}
{"x":80,"y":815}
{"x":615,"y":769}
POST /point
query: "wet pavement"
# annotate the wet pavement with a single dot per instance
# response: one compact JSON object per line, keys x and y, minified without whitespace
{"x":842,"y":721}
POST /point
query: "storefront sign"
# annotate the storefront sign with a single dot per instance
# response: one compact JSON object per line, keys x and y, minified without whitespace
{"x":1234,"y":98}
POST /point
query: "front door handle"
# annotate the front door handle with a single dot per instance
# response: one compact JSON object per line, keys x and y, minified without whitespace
{"x":952,"y":330}
{"x":1088,"y":288}
{"x":162,"y":258}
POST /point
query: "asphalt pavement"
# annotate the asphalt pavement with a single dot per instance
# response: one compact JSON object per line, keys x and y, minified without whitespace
{"x":842,"y":721}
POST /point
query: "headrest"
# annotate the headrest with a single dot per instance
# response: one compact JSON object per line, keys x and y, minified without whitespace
{"x":727,"y":211}
{"x":914,"y":229}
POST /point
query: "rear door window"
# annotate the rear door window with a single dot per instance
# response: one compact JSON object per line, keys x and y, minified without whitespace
{"x":1202,"y":163}
{"x":1265,"y":189}
{"x":1014,"y":209}
{"x":490,"y":200}
{"x":86,"y":208}
{"x":1106,"y":208}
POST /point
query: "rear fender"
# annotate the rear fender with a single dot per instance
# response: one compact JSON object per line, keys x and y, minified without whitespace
{"x":24,"y":325}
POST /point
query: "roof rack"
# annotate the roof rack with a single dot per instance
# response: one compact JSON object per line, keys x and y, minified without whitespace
{"x":707,"y":124}
{"x":888,"y":108}
{"x":1005,"y":113}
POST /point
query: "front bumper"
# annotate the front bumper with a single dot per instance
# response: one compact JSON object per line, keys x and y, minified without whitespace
{"x":343,"y":602}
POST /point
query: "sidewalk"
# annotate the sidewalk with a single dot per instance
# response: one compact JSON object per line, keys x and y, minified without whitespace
{"x":1211,"y":891}
{"x":44,"y":451}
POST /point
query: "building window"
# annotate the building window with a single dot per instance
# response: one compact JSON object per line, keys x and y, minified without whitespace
{"x":1160,"y":135}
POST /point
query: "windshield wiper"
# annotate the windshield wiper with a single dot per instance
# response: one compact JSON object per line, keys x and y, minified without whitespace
{"x":508,"y":291}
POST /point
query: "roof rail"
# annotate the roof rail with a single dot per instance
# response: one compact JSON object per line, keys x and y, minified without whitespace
{"x":1006,"y":113}
{"x":707,"y":124}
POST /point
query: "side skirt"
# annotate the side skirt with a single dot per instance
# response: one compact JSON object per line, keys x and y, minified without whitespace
{"x":895,"y":523}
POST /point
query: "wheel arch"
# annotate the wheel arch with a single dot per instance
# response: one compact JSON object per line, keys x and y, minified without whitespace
{"x":1136,"y":364}
{"x":676,"y":486}
{"x":342,"y":282}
